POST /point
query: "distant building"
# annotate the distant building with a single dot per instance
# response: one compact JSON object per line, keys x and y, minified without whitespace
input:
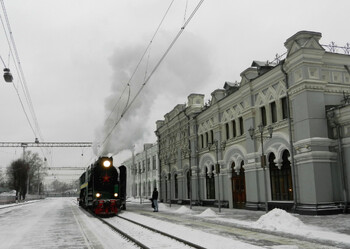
{"x":142,"y":172}
{"x":63,"y":174}
{"x":221,"y":153}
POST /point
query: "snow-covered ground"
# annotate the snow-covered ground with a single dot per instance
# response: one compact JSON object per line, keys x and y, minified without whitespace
{"x":60,"y":223}
{"x":331,"y":228}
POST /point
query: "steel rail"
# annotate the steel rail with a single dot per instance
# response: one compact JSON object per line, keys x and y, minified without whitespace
{"x":163,"y":233}
{"x":132,"y":239}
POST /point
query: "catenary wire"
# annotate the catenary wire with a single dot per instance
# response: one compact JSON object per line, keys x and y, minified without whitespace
{"x":139,"y":63}
{"x":21,"y":77}
{"x":21,"y":73}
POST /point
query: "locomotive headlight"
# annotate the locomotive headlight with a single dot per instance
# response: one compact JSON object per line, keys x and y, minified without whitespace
{"x":115,"y":194}
{"x":98,"y":195}
{"x":106,"y":163}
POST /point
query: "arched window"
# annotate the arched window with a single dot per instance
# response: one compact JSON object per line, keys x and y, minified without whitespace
{"x":154,"y":184}
{"x":281,"y":179}
{"x":210,"y":183}
{"x":144,"y":188}
{"x":149,"y":188}
{"x":227,"y":129}
{"x":234,"y":132}
{"x":206,"y":139}
{"x":176,"y":187}
{"x":188,"y":184}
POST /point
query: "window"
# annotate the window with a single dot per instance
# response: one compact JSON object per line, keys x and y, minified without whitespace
{"x":241,"y":127}
{"x":154,"y":183}
{"x":188,"y":184}
{"x":227,"y":129}
{"x":206,"y":139}
{"x":211,"y":136}
{"x":273,"y":112}
{"x":202,"y":141}
{"x":234,"y":128}
{"x":176,"y":186}
{"x":154,"y":162}
{"x":284,"y":108}
{"x":263,"y":115}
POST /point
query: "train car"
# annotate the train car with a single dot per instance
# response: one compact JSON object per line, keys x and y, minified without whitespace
{"x":103,"y":188}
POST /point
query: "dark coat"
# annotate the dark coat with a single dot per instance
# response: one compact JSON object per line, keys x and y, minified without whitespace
{"x":155,"y":195}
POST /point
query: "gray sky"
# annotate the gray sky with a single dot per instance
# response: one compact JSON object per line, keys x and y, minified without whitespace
{"x":77,"y":56}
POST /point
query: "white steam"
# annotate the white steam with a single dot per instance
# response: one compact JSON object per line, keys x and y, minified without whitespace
{"x":185,"y":70}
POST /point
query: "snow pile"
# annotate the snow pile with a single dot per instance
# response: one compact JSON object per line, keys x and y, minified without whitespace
{"x":278,"y":220}
{"x":184,"y":210}
{"x":207,"y":213}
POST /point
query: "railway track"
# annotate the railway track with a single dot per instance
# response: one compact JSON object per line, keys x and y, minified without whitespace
{"x":145,"y":236}
{"x":248,"y":235}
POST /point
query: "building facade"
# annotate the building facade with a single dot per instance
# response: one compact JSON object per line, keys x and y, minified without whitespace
{"x":278,"y":138}
{"x":143,"y":172}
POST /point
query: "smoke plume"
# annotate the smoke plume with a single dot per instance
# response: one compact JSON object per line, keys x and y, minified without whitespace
{"x":185,"y":70}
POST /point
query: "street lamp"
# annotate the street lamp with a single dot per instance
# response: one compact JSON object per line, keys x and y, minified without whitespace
{"x":141,"y":171}
{"x":263,"y":159}
{"x":169,"y":177}
{"x":217,"y":166}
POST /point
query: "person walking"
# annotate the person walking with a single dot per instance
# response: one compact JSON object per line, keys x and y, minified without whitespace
{"x":155,"y":199}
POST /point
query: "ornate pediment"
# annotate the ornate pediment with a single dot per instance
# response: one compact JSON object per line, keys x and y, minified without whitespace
{"x":303,"y":39}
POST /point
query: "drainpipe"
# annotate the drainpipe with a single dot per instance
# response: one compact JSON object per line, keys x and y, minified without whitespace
{"x":190,"y":155}
{"x":294,"y":170}
{"x":197,"y":160}
{"x":159,"y":165}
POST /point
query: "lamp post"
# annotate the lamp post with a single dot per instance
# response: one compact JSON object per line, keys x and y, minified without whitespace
{"x":169,"y":177}
{"x":140,"y":171}
{"x":263,"y":158}
{"x":217,"y":166}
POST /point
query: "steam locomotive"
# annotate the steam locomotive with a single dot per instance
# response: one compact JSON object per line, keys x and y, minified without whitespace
{"x":103,"y":187}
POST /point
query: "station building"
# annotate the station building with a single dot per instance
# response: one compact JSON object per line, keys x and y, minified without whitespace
{"x":278,"y":138}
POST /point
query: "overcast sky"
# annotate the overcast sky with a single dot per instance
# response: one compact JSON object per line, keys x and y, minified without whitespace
{"x":78,"y":55}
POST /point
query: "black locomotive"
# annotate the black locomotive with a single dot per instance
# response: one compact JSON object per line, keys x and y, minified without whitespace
{"x":103,"y":187}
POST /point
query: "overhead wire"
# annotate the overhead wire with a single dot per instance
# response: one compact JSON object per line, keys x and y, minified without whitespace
{"x":21,"y":73}
{"x":2,"y":61}
{"x":155,"y":68}
{"x":140,"y":61}
{"x":14,"y":52}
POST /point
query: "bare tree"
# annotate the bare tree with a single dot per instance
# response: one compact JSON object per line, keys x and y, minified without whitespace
{"x":37,"y":171}
{"x":17,"y":174}
{"x":2,"y":179}
{"x":26,"y":175}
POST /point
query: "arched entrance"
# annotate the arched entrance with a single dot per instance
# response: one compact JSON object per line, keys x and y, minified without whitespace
{"x":238,"y":187}
{"x":176,"y":187}
{"x":210,"y":183}
{"x":188,"y":184}
{"x":281,"y":179}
